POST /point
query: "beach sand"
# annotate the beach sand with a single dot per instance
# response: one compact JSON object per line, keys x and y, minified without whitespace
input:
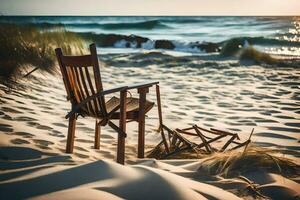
{"x":33,"y":133}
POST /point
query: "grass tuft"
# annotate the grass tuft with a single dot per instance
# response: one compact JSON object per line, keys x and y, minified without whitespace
{"x":24,"y":46}
{"x":257,"y":57}
{"x":236,"y":163}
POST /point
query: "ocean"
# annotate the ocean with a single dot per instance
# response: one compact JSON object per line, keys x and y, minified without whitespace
{"x":275,"y":35}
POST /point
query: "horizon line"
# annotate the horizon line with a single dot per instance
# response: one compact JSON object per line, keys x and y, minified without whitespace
{"x":52,"y":15}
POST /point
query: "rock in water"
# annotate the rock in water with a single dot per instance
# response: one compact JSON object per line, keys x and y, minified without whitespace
{"x":208,"y":47}
{"x":164,"y":44}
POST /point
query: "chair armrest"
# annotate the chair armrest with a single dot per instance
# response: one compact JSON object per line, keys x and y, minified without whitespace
{"x":142,"y":85}
{"x":94,"y":96}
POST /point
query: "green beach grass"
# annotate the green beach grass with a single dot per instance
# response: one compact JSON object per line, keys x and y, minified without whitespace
{"x":24,"y":47}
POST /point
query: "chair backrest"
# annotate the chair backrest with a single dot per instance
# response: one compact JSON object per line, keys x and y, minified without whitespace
{"x":82,"y":78}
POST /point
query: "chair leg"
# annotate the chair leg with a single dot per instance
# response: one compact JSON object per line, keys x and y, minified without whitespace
{"x":71,"y":134}
{"x":97,"y":135}
{"x":141,"y":121}
{"x":122,"y":126}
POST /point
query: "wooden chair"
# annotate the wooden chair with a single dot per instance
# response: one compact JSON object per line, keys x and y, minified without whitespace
{"x":82,"y":79}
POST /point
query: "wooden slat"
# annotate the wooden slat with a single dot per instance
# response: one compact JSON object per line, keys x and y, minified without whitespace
{"x":228,"y":143}
{"x":79,"y":86}
{"x":95,"y":102}
{"x":222,"y":132}
{"x":187,"y":129}
{"x":241,"y":145}
{"x":160,"y":118}
{"x":174,"y":140}
{"x":97,"y":134}
{"x":73,"y":84}
{"x":210,"y":131}
{"x":142,"y":85}
{"x":206,"y":145}
{"x":77,"y":61}
{"x":183,"y":139}
{"x":141,"y":121}
{"x":122,"y":125}
{"x":97,"y":76}
{"x":71,"y":134}
{"x":64,"y":74}
{"x":212,"y":140}
{"x":87,"y":93}
{"x":185,"y":132}
{"x":178,"y":143}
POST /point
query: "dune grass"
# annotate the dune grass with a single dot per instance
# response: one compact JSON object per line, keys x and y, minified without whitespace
{"x":236,"y":163}
{"x":253,"y":55}
{"x":24,"y":46}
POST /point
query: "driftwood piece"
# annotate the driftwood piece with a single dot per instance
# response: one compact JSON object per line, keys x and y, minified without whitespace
{"x":181,"y":140}
{"x":206,"y":145}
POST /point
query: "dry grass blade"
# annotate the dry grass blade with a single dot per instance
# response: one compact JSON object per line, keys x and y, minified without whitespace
{"x":235,"y":163}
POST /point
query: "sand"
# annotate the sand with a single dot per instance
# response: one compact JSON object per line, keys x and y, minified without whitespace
{"x":33,"y":134}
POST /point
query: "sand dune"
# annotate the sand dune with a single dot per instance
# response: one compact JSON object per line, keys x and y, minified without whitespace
{"x":33,"y":135}
{"x":106,"y":179}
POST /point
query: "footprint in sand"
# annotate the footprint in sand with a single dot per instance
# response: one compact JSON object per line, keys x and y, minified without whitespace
{"x":2,"y":101}
{"x":107,"y":154}
{"x":80,"y":149}
{"x":43,"y":147}
{"x":46,"y":107}
{"x":7,"y":117}
{"x":81,"y":155}
{"x":56,"y":133}
{"x":297,"y":125}
{"x":43,"y":143}
{"x":33,"y":123}
{"x":20,"y":102}
{"x":24,"y":108}
{"x":84,"y":141}
{"x":86,"y":129}
{"x":25,"y":119}
{"x":284,"y":117}
{"x":6,"y":128}
{"x":274,"y":135}
{"x":43,"y":127}
{"x":261,"y":120}
{"x":11,"y":110}
{"x":246,"y":122}
{"x":80,"y":124}
{"x":105,"y":136}
{"x":23,"y":134}
{"x":19,"y":141}
{"x":234,"y":129}
{"x":8,"y":98}
{"x":59,"y":125}
{"x":293,"y":130}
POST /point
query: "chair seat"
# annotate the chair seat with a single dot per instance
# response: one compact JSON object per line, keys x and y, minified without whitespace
{"x":132,"y":107}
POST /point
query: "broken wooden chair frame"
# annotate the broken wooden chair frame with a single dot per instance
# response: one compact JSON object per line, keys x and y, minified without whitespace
{"x":175,"y":142}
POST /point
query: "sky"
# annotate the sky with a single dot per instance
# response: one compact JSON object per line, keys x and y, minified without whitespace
{"x":150,"y":7}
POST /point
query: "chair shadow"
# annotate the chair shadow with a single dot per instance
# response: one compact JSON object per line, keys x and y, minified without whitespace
{"x":14,"y":158}
{"x":68,"y":178}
